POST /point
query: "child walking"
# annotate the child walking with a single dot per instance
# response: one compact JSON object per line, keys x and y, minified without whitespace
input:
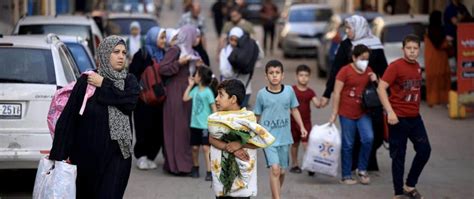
{"x":351,"y":81}
{"x":234,"y":136}
{"x":305,"y":96}
{"x":403,"y":76}
{"x":203,"y":105}
{"x":273,"y":106}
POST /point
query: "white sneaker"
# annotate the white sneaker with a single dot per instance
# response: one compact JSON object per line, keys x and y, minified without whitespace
{"x":142,"y":163}
{"x":151,"y":164}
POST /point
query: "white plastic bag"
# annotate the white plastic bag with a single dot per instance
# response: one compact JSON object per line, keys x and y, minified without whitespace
{"x":324,"y":150}
{"x":55,"y":179}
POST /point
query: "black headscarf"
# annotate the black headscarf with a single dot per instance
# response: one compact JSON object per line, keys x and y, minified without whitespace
{"x":435,"y":29}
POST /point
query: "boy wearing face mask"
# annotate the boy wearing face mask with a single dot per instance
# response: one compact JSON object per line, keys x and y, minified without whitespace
{"x":351,"y":81}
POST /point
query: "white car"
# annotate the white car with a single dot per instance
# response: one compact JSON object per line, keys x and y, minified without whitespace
{"x":392,"y":29}
{"x":302,"y":29}
{"x":119,"y":23}
{"x":83,"y":26}
{"x":31,"y":69}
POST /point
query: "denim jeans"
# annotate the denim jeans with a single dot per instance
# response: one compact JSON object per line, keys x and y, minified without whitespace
{"x":408,"y":128}
{"x":349,"y":126}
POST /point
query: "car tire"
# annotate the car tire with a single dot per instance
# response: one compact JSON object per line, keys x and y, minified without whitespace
{"x":286,"y":55}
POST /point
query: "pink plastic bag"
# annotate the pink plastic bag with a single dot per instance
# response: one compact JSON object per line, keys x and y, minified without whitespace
{"x":60,"y":99}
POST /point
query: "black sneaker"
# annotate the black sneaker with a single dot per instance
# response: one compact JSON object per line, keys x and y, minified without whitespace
{"x":414,"y":194}
{"x":208,"y":176}
{"x":295,"y":169}
{"x":195,"y":172}
{"x":310,"y":173}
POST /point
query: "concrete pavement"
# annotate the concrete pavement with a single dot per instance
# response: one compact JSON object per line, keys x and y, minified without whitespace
{"x":448,"y":175}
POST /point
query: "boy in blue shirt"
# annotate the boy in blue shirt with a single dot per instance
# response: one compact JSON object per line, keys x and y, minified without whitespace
{"x":274,"y":104}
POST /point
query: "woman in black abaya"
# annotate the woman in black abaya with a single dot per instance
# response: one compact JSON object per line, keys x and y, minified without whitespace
{"x":99,"y":141}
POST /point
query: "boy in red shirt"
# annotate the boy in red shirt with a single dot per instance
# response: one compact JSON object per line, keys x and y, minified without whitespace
{"x":305,"y":96}
{"x":403,"y":76}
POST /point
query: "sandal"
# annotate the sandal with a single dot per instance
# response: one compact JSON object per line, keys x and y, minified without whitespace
{"x":413,"y":194}
{"x":363,"y":177}
{"x":296,"y":169}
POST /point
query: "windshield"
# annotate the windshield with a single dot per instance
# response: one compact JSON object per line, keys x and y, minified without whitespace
{"x":121,"y":26}
{"x":396,"y":33}
{"x":24,"y":65}
{"x":59,"y":29}
{"x":310,"y":15}
{"x":79,"y":53}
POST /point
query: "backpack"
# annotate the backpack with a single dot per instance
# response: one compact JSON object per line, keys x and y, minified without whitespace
{"x":57,"y":105}
{"x":244,"y":57}
{"x":152,"y":87}
{"x":59,"y":101}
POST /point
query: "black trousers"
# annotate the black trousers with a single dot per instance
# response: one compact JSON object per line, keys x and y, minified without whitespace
{"x":268,"y":30}
{"x":413,"y":129}
{"x":148,"y":130}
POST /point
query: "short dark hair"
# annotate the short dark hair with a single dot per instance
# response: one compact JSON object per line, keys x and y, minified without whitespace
{"x":411,"y":38}
{"x":233,"y":87}
{"x":359,"y":50}
{"x":273,"y":63}
{"x":303,"y":68}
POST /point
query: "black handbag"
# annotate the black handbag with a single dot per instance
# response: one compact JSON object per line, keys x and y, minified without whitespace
{"x":370,"y":98}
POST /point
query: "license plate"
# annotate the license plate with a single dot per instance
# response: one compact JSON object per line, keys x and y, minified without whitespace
{"x":10,"y":111}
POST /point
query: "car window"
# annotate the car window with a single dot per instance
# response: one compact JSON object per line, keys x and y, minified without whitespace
{"x":310,"y":15}
{"x":82,"y":59}
{"x":396,"y":33}
{"x":83,"y":31}
{"x":121,"y":26}
{"x":25,"y":65}
{"x":71,"y":61}
{"x":68,"y":71}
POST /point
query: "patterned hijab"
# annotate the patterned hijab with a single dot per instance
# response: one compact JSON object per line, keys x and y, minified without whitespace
{"x":150,"y":43}
{"x":362,"y":33}
{"x":119,"y":123}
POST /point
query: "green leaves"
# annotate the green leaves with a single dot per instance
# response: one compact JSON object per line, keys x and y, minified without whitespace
{"x":230,"y":169}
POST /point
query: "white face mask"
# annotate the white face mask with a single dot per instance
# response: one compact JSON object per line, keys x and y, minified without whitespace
{"x":362,"y":64}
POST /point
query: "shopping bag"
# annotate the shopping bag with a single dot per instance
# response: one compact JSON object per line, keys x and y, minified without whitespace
{"x":324,"y":150}
{"x":55,"y":179}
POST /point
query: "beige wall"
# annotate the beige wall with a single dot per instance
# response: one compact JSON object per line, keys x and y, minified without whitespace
{"x":10,"y":12}
{"x":469,"y":5}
